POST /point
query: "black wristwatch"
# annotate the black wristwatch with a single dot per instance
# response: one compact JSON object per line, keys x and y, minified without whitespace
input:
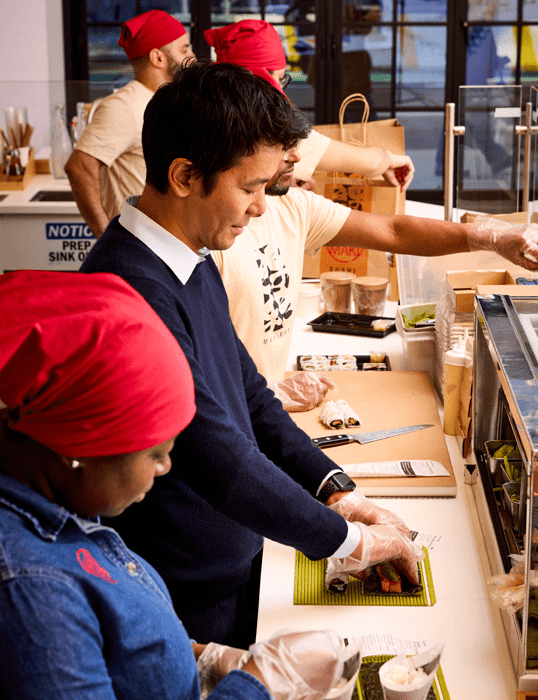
{"x":337,"y":482}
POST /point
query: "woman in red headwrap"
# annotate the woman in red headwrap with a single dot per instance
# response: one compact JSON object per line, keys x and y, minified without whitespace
{"x":94,"y":389}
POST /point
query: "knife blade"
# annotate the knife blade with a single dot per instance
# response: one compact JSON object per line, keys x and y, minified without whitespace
{"x":363,"y":438}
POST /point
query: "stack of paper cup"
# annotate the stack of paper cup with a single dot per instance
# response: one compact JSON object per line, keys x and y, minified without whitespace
{"x":400,"y":681}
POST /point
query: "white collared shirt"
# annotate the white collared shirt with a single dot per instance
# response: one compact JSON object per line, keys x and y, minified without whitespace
{"x":178,"y":256}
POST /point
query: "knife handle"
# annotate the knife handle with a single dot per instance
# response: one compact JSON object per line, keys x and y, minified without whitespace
{"x":330,"y":441}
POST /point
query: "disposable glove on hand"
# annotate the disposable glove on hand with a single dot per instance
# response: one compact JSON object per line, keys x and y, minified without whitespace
{"x":302,"y":391}
{"x":355,"y":507}
{"x":515,"y":242}
{"x":215,"y":662}
{"x":379,"y":543}
{"x":300,"y":665}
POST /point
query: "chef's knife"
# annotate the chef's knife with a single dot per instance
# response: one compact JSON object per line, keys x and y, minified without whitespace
{"x":362,"y":438}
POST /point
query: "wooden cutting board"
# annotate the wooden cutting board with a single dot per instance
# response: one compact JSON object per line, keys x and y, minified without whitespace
{"x":386,"y":400}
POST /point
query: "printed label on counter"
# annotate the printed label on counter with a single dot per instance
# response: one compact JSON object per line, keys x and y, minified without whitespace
{"x":68,"y":243}
{"x":415,"y":467}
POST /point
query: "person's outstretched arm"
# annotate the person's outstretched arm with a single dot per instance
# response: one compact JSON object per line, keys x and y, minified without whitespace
{"x":83,"y":173}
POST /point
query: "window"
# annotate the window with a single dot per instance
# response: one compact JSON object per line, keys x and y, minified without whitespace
{"x":407,"y":56}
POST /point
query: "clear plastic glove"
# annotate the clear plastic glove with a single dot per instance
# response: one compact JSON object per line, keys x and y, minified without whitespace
{"x":300,"y":665}
{"x":215,"y":662}
{"x":379,"y":543}
{"x":515,"y":242}
{"x":302,"y":391}
{"x":355,"y":507}
{"x":400,"y":171}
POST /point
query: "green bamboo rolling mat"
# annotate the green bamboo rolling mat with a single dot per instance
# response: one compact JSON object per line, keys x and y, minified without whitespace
{"x":369,"y":686}
{"x":309,"y":587}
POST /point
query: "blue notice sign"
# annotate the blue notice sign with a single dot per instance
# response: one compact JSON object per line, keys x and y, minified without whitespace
{"x":68,"y":244}
{"x":63,"y":231}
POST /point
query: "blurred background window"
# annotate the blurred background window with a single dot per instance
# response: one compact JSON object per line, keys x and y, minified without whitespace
{"x":408,"y":57}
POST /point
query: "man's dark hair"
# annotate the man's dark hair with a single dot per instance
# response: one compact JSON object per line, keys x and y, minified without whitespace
{"x":214,"y":115}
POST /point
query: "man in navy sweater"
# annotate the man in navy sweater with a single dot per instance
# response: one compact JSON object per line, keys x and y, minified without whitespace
{"x":242,"y":470}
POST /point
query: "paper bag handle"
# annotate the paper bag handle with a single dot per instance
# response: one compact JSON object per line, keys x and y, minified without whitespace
{"x":356,"y":97}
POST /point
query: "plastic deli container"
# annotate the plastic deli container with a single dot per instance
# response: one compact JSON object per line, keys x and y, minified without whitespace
{"x":369,"y":295}
{"x":512,"y":488}
{"x":336,"y":291}
{"x":418,"y":347}
{"x":309,"y":300}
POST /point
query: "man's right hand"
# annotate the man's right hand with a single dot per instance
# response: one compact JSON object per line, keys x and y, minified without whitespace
{"x":379,"y":543}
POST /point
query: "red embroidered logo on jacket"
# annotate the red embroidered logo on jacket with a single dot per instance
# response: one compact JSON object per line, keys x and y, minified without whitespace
{"x":92,"y":566}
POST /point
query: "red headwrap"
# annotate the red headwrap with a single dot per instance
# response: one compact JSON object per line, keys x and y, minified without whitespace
{"x":251,"y":43}
{"x":87,"y":368}
{"x":150,"y":30}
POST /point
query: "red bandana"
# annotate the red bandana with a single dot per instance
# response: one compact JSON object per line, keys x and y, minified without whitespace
{"x":251,"y":43}
{"x":87,"y":368}
{"x":152,"y":30}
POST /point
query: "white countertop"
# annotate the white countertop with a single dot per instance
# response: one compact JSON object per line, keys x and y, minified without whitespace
{"x":476,"y":661}
{"x":18,"y":201}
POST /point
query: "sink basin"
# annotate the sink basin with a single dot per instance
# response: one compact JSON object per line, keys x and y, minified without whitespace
{"x":53,"y":196}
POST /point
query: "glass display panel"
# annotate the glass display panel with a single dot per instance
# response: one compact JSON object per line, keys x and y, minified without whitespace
{"x":421,"y":10}
{"x":424,"y":144}
{"x":530,"y":10}
{"x":107,"y":61}
{"x":533,"y":194}
{"x":178,"y":8}
{"x":488,"y":156}
{"x":529,"y":55}
{"x":228,"y":11}
{"x":491,"y":55}
{"x":106,"y":11}
{"x":490,"y":10}
{"x":367,"y":65}
{"x":421,"y":67}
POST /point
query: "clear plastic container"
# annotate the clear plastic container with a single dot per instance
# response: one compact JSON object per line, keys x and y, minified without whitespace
{"x":336,"y":291}
{"x":309,"y":300}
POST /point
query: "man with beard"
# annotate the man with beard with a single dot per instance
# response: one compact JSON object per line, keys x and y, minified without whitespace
{"x":262,"y":271}
{"x":107,"y":163}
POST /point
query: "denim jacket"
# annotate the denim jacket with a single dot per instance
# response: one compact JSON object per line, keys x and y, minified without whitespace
{"x":81,"y":616}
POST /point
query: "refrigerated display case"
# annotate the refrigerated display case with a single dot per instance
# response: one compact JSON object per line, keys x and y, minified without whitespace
{"x":505,"y":412}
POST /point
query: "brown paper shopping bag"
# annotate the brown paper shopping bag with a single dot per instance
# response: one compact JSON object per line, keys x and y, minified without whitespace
{"x":352,"y":190}
{"x":369,"y":195}
{"x":385,"y":133}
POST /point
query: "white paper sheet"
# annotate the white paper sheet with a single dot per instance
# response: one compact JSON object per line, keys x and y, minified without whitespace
{"x":386,"y":643}
{"x":412,"y":467}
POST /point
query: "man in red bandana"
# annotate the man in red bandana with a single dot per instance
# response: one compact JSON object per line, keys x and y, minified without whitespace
{"x":107,"y":163}
{"x":256,"y":45}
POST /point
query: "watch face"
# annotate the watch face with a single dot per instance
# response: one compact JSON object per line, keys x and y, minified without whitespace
{"x":343,"y":480}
